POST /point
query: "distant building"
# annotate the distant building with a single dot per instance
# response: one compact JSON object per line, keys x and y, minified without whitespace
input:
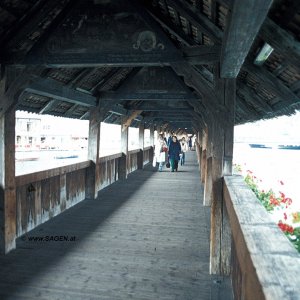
{"x":40,"y":132}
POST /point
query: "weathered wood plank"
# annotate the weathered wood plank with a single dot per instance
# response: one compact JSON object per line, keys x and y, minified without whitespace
{"x":198,"y":19}
{"x":141,"y":241}
{"x":240,"y":33}
{"x":262,"y":251}
{"x":51,"y":88}
{"x":200,"y":84}
{"x":281,"y":41}
{"x":272,"y":82}
{"x":229,"y":102}
{"x":92,"y":177}
{"x":202,"y":54}
{"x":123,"y":161}
{"x":217,"y":138}
{"x":8,"y":205}
{"x":39,"y":176}
{"x":141,"y":145}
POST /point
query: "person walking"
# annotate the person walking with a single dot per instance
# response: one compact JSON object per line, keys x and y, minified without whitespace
{"x":190,"y":143}
{"x":184,"y":148}
{"x":160,"y":152}
{"x":174,"y":152}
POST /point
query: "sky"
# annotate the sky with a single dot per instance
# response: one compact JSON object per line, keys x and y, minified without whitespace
{"x":281,"y":130}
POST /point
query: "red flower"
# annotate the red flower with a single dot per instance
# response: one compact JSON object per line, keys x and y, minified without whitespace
{"x":285,"y":227}
{"x":282,"y":195}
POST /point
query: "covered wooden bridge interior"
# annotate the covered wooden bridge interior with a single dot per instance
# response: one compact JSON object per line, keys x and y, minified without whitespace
{"x":189,"y":66}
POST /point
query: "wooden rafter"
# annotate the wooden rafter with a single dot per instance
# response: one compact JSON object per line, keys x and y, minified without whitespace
{"x":172,"y":28}
{"x":197,"y":81}
{"x":273,"y":83}
{"x":52,"y":103}
{"x":281,"y":41}
{"x":129,"y":119}
{"x":160,"y":106}
{"x":251,"y":97}
{"x":51,"y":88}
{"x":240,"y":33}
{"x":197,"y":19}
{"x":144,"y":96}
{"x":201,"y":54}
{"x":53,"y":11}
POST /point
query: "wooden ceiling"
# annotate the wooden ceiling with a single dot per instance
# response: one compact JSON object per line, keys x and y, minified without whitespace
{"x":64,"y":58}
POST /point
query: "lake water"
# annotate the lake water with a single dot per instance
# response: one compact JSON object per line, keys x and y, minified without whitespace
{"x":272,"y":166}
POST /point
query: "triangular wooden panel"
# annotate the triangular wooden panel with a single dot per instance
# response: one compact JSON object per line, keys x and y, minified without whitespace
{"x":160,"y":82}
{"x":103,"y":33}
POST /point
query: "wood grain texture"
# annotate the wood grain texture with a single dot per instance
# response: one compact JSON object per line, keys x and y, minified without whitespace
{"x":240,"y":33}
{"x":146,"y":238}
{"x":8,"y":205}
{"x":265,"y":265}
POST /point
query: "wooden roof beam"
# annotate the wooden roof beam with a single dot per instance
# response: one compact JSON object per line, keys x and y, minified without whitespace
{"x":195,"y":80}
{"x":253,"y":98}
{"x":129,"y":119}
{"x":245,"y":21}
{"x":282,"y":41}
{"x":70,"y":111}
{"x":144,"y":96}
{"x":272,"y":83}
{"x":198,"y":119}
{"x":52,"y":103}
{"x":199,"y":20}
{"x":172,"y":28}
{"x":81,"y":75}
{"x":246,"y":109}
{"x":150,"y":106}
{"x":201,"y":54}
{"x":52,"y":89}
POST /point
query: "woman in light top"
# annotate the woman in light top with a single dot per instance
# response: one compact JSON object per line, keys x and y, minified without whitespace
{"x":160,"y":152}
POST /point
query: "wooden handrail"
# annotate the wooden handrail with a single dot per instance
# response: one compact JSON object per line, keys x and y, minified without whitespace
{"x":41,"y":175}
{"x":266,"y":263}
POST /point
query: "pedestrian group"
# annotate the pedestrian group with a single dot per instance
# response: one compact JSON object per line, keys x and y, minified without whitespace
{"x":171,"y":151}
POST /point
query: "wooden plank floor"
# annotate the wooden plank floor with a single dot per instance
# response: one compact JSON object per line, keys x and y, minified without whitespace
{"x":144,"y":238}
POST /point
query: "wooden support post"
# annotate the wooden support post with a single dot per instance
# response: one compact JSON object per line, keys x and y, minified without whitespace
{"x":230,"y":94}
{"x":152,"y":135}
{"x":222,"y":139}
{"x":230,"y":88}
{"x":151,"y":143}
{"x":204,"y":156}
{"x":207,"y":199}
{"x":141,"y":146}
{"x":124,"y":148}
{"x":93,"y":174}
{"x":8,"y":211}
{"x":216,"y":199}
{"x":199,"y":147}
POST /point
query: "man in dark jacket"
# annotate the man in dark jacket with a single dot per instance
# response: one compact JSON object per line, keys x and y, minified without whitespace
{"x":174,"y":152}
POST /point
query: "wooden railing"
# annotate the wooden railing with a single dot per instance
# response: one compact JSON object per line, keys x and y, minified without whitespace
{"x":265,"y":265}
{"x":109,"y":169}
{"x":43,"y":195}
{"x":148,"y":155}
{"x":132,"y":160}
